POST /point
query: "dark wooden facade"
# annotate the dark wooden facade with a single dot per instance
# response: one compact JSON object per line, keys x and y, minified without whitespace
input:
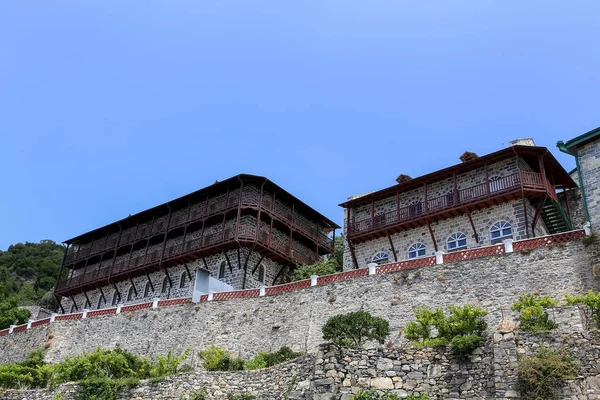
{"x":234,"y":198}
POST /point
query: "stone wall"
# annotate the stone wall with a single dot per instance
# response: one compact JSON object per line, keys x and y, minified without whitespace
{"x":589,"y":162}
{"x":247,"y":326}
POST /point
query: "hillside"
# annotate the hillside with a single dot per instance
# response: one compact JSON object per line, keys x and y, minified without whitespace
{"x":27,"y":275}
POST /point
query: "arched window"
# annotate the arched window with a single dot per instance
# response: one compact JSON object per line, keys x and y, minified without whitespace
{"x":496,"y":183}
{"x":101,"y":302}
{"x":500,"y":231}
{"x":165,"y":285}
{"x":456,"y":241}
{"x":222,"y":270}
{"x":262,"y":275}
{"x":380,"y":258}
{"x":416,"y":250}
{"x":130,"y":293}
{"x":147,"y":289}
{"x":115,"y":298}
{"x":182,"y":280}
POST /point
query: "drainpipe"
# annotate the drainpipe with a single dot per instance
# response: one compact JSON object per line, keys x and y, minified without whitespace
{"x":561,"y":146}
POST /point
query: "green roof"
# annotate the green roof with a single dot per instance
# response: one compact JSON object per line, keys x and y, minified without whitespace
{"x":583,"y":139}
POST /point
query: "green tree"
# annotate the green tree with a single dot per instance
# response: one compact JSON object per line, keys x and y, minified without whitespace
{"x":354,"y":328}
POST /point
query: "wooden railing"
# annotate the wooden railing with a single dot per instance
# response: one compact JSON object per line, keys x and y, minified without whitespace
{"x":525,"y":180}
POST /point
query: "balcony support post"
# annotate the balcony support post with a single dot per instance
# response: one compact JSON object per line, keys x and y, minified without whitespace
{"x":149,"y":280}
{"x":74,"y":303}
{"x":166,"y":233}
{"x":102,"y":294}
{"x":117,"y":292}
{"x":57,"y":297}
{"x":228,"y":262}
{"x":392,"y":246}
{"x":146,"y":252}
{"x":487,"y":179}
{"x":372,"y":214}
{"x":278,"y":274}
{"x":472,"y":225}
{"x":205,"y":264}
{"x":246,"y":265}
{"x":259,"y":210}
{"x":239,"y":213}
{"x":183,"y":241}
{"x":168,"y":278}
{"x":271,"y":231}
{"x":133,"y":286}
{"x":525,"y":212}
{"x":566,"y":201}
{"x":426,"y":202}
{"x":351,"y":247}
{"x":87,"y":299}
{"x":435,"y":246}
{"x":454,"y":190}
{"x":258,"y":263}
{"x":537,"y":214}
{"x":188,"y":271}
{"x":397,"y":207}
{"x":115,"y":252}
{"x":239,"y":257}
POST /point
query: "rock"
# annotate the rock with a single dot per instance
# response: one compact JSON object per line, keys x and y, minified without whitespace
{"x":382,"y":383}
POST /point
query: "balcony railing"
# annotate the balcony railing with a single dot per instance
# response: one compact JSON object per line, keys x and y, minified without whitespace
{"x":525,"y":180}
{"x":208,"y":240}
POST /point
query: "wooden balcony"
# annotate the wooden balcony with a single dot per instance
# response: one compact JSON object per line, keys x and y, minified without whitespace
{"x":531,"y":184}
{"x":202,"y":212}
{"x":190,"y":250}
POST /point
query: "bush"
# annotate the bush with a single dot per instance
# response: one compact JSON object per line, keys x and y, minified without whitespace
{"x":217,"y":359}
{"x":592,"y":300}
{"x":463,"y":330}
{"x":322,"y":268}
{"x":265,"y":360}
{"x":534,"y":318}
{"x":354,"y":328}
{"x":10,"y":314}
{"x":240,"y":396}
{"x":103,"y":388}
{"x":542,"y":374}
{"x":374,"y":395}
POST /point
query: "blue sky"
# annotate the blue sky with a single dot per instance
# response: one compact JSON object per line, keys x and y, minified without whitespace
{"x":110,"y":107}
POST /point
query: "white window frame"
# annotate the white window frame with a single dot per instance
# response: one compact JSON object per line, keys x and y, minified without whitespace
{"x":417,"y":250}
{"x":499,"y":229}
{"x":454,"y":240}
{"x":380,"y":258}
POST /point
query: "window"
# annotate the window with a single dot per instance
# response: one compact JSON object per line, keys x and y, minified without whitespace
{"x":222,"y":270}
{"x":496,"y":183}
{"x":165,"y":284}
{"x":130,"y":293}
{"x":115,"y":298}
{"x":182,"y":280}
{"x":415,"y":209}
{"x":450,"y":197}
{"x":101,"y":302}
{"x":416,"y":250}
{"x":262,"y":276}
{"x":380,"y":258}
{"x":456,"y":241}
{"x":147,"y":289}
{"x":500,"y":231}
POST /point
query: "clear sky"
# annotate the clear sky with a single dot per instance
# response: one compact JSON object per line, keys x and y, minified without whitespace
{"x":110,"y":107}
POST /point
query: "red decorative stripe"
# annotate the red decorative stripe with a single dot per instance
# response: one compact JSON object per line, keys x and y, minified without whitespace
{"x":288,"y":287}
{"x":410,"y":264}
{"x":135,"y":307}
{"x":174,"y":302}
{"x":20,"y":328}
{"x":342,"y":276}
{"x":548,"y":241}
{"x":237,"y":294}
{"x":104,"y":311}
{"x":474,"y":253}
{"x":40,"y":322}
{"x":203,"y":298}
{"x":68,"y":317}
{"x":4,"y":332}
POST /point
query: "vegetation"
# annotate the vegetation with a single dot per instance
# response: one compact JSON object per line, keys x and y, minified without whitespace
{"x":353,"y":329}
{"x":463,"y":330}
{"x":375,"y":395}
{"x":100,"y":374}
{"x":542,"y":374}
{"x":27,"y":275}
{"x":592,"y":300}
{"x":240,"y":396}
{"x":534,"y":317}
{"x":331,"y":266}
{"x":218,"y":359}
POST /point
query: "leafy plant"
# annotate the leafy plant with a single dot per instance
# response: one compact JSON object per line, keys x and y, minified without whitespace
{"x":592,"y":300}
{"x":534,"y":317}
{"x":170,"y":364}
{"x":10,"y":314}
{"x":328,"y":267}
{"x":103,"y":388}
{"x":240,"y":396}
{"x":354,"y":328}
{"x":265,"y":360}
{"x":542,"y":374}
{"x":217,"y":359}
{"x":463,"y":330}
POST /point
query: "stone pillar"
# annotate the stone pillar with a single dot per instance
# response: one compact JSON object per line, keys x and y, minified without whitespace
{"x":372,"y":268}
{"x":439,"y":257}
{"x":155,"y":302}
{"x":262,"y":290}
{"x":508,"y":245}
{"x":506,"y":378}
{"x":313,"y":280}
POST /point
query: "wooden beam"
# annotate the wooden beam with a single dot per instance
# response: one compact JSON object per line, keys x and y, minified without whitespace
{"x":435,"y":246}
{"x":392,"y":246}
{"x":188,"y":271}
{"x":351,"y":247}
{"x":278,"y":274}
{"x":472,"y":225}
{"x":133,"y":286}
{"x":228,"y":262}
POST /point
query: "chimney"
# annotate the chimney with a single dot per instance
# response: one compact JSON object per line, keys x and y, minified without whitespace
{"x":522,"y":142}
{"x":468,"y":156}
{"x":403,"y":178}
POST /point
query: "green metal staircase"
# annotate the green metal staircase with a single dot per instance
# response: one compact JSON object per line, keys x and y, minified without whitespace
{"x":555,"y":217}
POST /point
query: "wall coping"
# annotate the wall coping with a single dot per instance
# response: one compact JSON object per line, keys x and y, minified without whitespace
{"x":421,"y":262}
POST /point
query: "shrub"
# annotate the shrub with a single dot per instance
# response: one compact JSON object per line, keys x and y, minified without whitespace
{"x":463,"y":330}
{"x":534,"y":318}
{"x":354,"y":328}
{"x":592,"y":300}
{"x":265,"y":360}
{"x":542,"y":374}
{"x":197,"y":395}
{"x":240,"y":396}
{"x":322,"y":268}
{"x":374,"y":395}
{"x":170,"y":364}
{"x":217,"y":359}
{"x":103,"y":388}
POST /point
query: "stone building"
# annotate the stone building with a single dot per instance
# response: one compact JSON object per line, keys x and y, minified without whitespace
{"x":514,"y":193}
{"x":586,"y":150}
{"x":240,"y":233}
